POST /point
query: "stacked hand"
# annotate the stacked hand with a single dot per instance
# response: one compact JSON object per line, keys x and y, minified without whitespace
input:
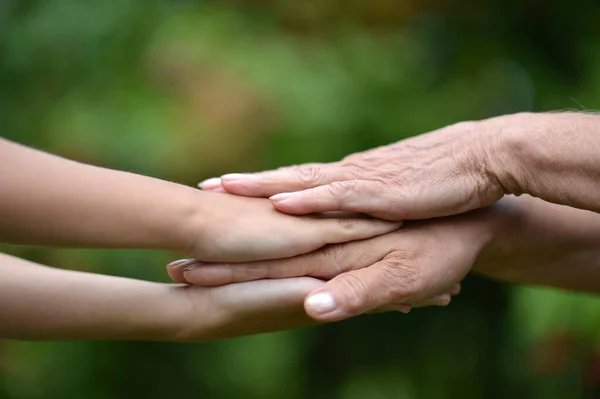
{"x":433,"y":175}
{"x":389,"y":272}
{"x":461,"y":170}
{"x":388,"y":229}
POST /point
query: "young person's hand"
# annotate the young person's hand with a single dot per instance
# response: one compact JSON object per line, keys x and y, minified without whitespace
{"x":43,"y":303}
{"x":208,"y":314}
{"x":420,"y":264}
{"x":228,"y":228}
{"x":48,"y":200}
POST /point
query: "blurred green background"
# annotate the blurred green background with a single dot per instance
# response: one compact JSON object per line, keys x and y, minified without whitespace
{"x":185,"y":90}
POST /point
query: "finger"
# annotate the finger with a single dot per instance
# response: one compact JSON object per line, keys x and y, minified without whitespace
{"x":210,"y":275}
{"x":455,"y":290}
{"x":325,"y":263}
{"x":265,"y":184}
{"x":259,"y":306}
{"x":212,"y":184}
{"x":439,"y":300}
{"x":360,"y":196}
{"x":360,"y":291}
{"x":175,"y":269}
{"x":341,"y":230}
{"x":403,"y":308}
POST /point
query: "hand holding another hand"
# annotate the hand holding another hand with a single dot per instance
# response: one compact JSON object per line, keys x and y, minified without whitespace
{"x":242,"y":229}
{"x":420,"y":264}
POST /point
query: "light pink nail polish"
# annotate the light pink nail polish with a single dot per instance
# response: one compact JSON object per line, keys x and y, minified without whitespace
{"x":190,"y":267}
{"x":179,"y":262}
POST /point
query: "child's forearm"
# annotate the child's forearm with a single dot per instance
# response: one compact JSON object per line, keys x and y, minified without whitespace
{"x":42,"y":303}
{"x":48,"y":200}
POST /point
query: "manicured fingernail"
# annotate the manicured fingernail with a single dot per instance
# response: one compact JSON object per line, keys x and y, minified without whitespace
{"x":403,"y":309}
{"x":180,"y":262}
{"x":213,"y":182}
{"x":190,"y":267}
{"x":321,"y":303}
{"x":280,"y":197}
{"x":235,"y":176}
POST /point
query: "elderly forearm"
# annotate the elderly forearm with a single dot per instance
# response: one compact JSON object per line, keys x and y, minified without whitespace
{"x":552,"y":156}
{"x":42,"y":303}
{"x":48,"y":200}
{"x":544,"y":244}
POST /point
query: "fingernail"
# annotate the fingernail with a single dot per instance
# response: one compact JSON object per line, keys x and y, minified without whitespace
{"x":190,"y":267}
{"x":321,"y":303}
{"x":180,"y":262}
{"x":235,"y":176}
{"x":403,"y":309}
{"x":280,"y":197}
{"x":210,"y":183}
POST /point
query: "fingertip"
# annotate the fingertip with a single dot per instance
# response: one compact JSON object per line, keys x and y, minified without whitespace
{"x":240,"y":184}
{"x":293,"y":207}
{"x":442,"y":300}
{"x":207,"y":276}
{"x":210,"y":184}
{"x":320,"y":305}
{"x":175,"y":270}
{"x":176,"y":276}
{"x":456,"y":289}
{"x":235,"y":177}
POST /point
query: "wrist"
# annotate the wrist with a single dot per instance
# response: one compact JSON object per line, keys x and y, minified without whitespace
{"x":152,"y":315}
{"x":536,"y":153}
{"x":506,"y":146}
{"x":195,"y":222}
{"x":171,"y":316}
{"x":502,"y":220}
{"x":184,"y":221}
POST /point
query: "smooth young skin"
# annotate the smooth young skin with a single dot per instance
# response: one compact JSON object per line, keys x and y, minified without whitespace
{"x":519,"y":240}
{"x":43,"y":303}
{"x":409,"y":266}
{"x":48,"y":200}
{"x":552,"y":156}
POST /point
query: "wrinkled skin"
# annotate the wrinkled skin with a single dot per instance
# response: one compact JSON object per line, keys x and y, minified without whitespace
{"x":420,"y":264}
{"x":440,"y":173}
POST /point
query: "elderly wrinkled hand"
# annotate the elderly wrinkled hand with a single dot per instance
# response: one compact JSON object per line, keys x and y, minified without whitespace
{"x":469,"y":165}
{"x":419,"y":265}
{"x":441,"y":173}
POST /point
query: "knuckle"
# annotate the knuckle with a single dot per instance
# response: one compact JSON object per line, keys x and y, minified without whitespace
{"x":341,"y":187}
{"x":403,"y":279}
{"x":354,"y":294}
{"x":347,"y":224}
{"x":353,"y":169}
{"x":329,"y":263}
{"x":309,"y":173}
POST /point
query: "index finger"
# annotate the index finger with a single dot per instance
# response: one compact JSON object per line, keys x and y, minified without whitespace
{"x":293,"y":178}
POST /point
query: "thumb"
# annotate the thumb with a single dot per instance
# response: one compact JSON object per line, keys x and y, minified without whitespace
{"x":360,"y":291}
